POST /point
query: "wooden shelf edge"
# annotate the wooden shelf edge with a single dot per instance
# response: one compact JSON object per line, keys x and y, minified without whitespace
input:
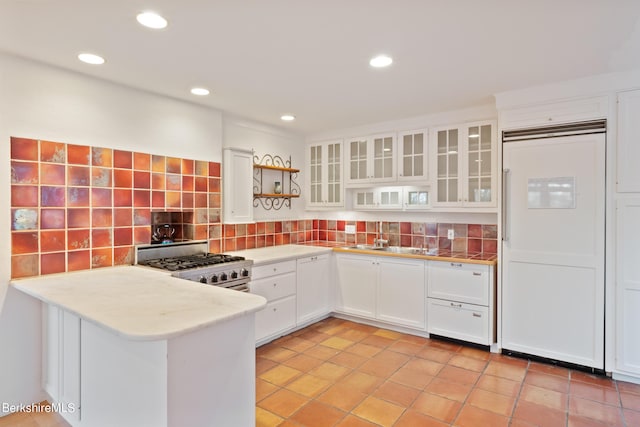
{"x":276,"y":168}
{"x":276,"y":196}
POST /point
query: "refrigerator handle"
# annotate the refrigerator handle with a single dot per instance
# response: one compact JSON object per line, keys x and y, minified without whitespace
{"x":505,"y":213}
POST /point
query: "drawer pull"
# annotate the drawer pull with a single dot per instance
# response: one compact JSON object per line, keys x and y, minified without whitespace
{"x":275,"y":284}
{"x":275,"y":309}
{"x":275,"y":269}
{"x":456,"y":305}
{"x":456,"y":264}
{"x":477,"y":315}
{"x":475,"y":273}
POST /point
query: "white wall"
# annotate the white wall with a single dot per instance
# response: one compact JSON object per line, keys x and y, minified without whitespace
{"x":42,"y":102}
{"x":266,"y":140}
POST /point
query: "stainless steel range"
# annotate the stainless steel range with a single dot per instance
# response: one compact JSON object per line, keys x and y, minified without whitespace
{"x":191,"y":261}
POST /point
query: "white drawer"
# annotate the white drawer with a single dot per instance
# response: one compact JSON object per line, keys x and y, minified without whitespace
{"x":274,"y":287}
{"x":277,"y":316}
{"x":459,"y":282}
{"x":272,"y":269}
{"x":452,"y":319}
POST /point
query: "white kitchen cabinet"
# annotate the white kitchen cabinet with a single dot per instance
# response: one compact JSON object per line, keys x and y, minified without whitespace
{"x":325,"y":183}
{"x":388,"y":289}
{"x":628,"y":179}
{"x":312,"y":288}
{"x":460,"y":301}
{"x":277,"y":283}
{"x":401,"y":292}
{"x":384,"y":198}
{"x":237,"y":173}
{"x":371,"y":160}
{"x":549,"y":114}
{"x":628,"y":286}
{"x":413,"y":156}
{"x":416,"y":198}
{"x":61,"y":360}
{"x":464,"y":159}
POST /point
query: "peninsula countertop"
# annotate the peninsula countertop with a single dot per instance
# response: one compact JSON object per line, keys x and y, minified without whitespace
{"x":138,"y":303}
{"x":280,"y":253}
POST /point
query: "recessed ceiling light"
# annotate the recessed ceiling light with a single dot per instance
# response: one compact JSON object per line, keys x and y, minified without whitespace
{"x":200,"y":91}
{"x":287,"y":118}
{"x":151,"y":20}
{"x":381,"y":61}
{"x":90,"y":58}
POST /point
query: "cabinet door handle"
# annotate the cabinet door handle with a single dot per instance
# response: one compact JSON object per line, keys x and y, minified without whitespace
{"x":453,"y":264}
{"x":475,"y":273}
{"x":477,"y":315}
{"x":456,"y":305}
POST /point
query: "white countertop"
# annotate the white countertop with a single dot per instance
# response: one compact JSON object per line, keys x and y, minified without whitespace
{"x":139,"y":303}
{"x":280,"y":253}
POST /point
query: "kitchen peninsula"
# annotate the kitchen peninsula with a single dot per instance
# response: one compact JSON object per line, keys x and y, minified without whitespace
{"x":130,"y":346}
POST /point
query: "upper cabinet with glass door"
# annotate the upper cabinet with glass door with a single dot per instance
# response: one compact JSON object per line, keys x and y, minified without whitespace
{"x":412,"y":157}
{"x":324,"y":163}
{"x":371,"y":160}
{"x":465,"y":162}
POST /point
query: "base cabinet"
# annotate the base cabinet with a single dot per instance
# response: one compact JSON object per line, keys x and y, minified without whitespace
{"x":382,"y":288}
{"x":460,"y":301}
{"x":312,"y":285}
{"x":277,"y":283}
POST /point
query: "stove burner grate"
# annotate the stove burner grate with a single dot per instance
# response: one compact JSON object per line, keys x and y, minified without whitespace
{"x":190,"y":261}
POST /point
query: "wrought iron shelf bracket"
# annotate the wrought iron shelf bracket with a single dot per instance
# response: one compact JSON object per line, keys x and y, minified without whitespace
{"x":279,"y":195}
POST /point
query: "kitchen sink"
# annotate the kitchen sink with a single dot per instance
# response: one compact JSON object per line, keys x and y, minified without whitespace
{"x":395,"y":249}
{"x":366,"y":247}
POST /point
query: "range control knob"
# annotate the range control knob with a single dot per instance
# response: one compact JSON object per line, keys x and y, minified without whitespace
{"x":214,"y":278}
{"x":223,"y":277}
{"x":234,"y":274}
{"x":202,"y":279}
{"x":244,"y":272}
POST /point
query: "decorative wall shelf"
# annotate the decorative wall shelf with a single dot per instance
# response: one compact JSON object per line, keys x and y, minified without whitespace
{"x":266,"y":171}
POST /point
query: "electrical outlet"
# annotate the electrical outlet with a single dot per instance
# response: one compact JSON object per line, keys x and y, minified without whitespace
{"x":350,"y":229}
{"x":450,"y":234}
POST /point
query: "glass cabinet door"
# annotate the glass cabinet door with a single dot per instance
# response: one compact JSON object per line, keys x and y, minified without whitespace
{"x":447,"y":165}
{"x":479,"y":163}
{"x":334,"y":175}
{"x":315,"y":173}
{"x":358,"y":159}
{"x":383,"y":157}
{"x":413,"y":155}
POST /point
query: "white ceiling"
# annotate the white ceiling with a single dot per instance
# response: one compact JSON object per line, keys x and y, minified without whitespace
{"x":263,"y":58}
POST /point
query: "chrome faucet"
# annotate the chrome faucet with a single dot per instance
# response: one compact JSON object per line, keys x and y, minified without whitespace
{"x":379,"y":242}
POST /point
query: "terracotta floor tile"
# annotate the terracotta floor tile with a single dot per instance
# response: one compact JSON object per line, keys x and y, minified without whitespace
{"x":278,"y":354}
{"x":378,"y":368}
{"x":592,"y":379}
{"x":509,"y":360}
{"x":330,"y":371}
{"x":414,"y":339}
{"x":475,"y":353}
{"x":265,"y":418}
{"x":435,"y":354}
{"x":411,"y":378}
{"x":595,"y":410}
{"x":405,"y":347}
{"x":352,"y":334}
{"x":540,"y":416}
{"x":263,"y":365}
{"x":551,"y":382}
{"x":544,"y":397}
{"x":364,"y":350}
{"x":497,"y":403}
{"x":392,"y":358}
{"x":399,"y":394}
{"x":506,"y":370}
{"x":595,"y":392}
{"x":298,"y":344}
{"x":425,"y":366}
{"x":437,"y":407}
{"x":378,"y":341}
{"x":342,"y":396}
{"x":280,"y":375}
{"x":630,"y":401}
{"x":388,"y":334}
{"x":308,"y":385}
{"x":519,"y":423}
{"x":473,"y":417}
{"x":468,"y":363}
{"x":264,"y":389}
{"x":321,"y":352}
{"x":353,"y":421}
{"x":412,"y":418}
{"x":337,"y":343}
{"x":499,"y":385}
{"x":445,"y":345}
{"x":549,"y":369}
{"x":378,"y":411}
{"x":459,"y":375}
{"x":283,"y":403}
{"x":349,"y":360}
{"x":331,"y":329}
{"x":314,"y":336}
{"x":449,"y":389}
{"x":632,"y":418}
{"x":576,"y":421}
{"x":362,"y":382}
{"x":303,"y":363}
{"x":629,"y":387}
{"x":316,"y":414}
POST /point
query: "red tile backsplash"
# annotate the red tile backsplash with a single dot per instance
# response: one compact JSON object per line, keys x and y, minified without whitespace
{"x":24,"y":242}
{"x":53,"y":152}
{"x":52,"y":174}
{"x":52,"y":241}
{"x":24,"y":149}
{"x":78,"y":154}
{"x":53,"y":263}
{"x":102,"y":157}
{"x":24,"y":196}
{"x":54,"y":218}
{"x":122,"y":159}
{"x":78,"y":260}
{"x":24,"y":173}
